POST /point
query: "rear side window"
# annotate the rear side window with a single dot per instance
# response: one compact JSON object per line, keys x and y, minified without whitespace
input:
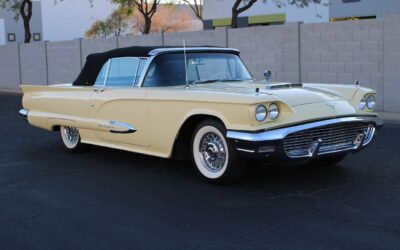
{"x":121,"y":72}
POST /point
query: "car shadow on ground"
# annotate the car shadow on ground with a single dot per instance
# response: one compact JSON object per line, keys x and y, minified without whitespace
{"x":260,"y":177}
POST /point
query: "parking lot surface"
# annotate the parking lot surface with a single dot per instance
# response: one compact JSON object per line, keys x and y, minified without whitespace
{"x":110,"y":199}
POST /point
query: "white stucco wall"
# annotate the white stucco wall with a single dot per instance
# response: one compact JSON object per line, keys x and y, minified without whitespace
{"x":315,"y":13}
{"x":70,"y":19}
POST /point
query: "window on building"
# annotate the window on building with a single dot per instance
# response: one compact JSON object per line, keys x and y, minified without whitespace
{"x":37,"y":37}
{"x":11,"y":37}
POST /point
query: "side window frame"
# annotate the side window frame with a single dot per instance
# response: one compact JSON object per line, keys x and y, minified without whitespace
{"x":136,"y":80}
{"x":107,"y":64}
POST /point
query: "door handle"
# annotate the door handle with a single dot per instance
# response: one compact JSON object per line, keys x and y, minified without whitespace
{"x":98,"y":90}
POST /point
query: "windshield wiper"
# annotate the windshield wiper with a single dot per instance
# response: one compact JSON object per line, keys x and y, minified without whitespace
{"x":236,"y":80}
{"x":206,"y":81}
{"x":221,"y":80}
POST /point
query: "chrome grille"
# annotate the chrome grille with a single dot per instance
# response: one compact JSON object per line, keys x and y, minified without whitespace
{"x":333,"y":138}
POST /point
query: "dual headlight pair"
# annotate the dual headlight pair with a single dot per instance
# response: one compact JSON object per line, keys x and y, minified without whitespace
{"x":262,"y":112}
{"x":367,"y":101}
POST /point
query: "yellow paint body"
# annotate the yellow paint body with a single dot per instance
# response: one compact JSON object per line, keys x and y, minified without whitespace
{"x":159,"y":113}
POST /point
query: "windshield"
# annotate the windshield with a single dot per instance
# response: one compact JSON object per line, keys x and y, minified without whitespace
{"x":169,"y":69}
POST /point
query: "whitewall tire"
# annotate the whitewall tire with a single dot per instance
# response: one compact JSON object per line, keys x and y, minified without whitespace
{"x":212,"y":154}
{"x":71,"y":138}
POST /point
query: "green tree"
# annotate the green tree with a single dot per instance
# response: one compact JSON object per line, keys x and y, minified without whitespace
{"x":147,"y":8}
{"x":240,"y":6}
{"x":119,"y":20}
{"x":98,"y":29}
{"x":115,"y":24}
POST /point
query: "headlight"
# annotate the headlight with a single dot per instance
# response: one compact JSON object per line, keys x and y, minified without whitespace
{"x":273,"y":111}
{"x":362,"y":104}
{"x":261,"y":113}
{"x":371,"y":102}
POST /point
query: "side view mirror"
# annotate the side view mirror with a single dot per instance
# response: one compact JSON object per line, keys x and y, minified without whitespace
{"x":268,"y":75}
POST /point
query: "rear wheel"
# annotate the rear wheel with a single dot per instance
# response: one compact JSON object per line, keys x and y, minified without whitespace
{"x":212,"y":154}
{"x":71,"y":139}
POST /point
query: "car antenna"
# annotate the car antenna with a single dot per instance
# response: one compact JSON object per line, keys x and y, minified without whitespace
{"x":186,"y":73}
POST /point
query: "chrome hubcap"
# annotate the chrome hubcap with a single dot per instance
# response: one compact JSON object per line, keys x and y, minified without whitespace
{"x":213,"y":152}
{"x":71,"y":134}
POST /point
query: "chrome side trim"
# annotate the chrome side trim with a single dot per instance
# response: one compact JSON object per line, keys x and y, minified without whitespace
{"x":246,"y":150}
{"x":24,"y":113}
{"x":279,"y":134}
{"x":159,"y":51}
{"x":129,"y":128}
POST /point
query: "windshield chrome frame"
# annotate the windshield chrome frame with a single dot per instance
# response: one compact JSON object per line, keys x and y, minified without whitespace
{"x":154,"y":53}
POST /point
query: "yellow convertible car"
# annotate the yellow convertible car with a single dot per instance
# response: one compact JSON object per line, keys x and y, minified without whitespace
{"x":202,"y":103}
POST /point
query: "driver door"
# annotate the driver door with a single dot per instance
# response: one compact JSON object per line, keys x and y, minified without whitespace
{"x":118,"y":105}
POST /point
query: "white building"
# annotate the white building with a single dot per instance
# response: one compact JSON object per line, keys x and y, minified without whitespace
{"x":70,"y":19}
{"x":65,"y":20}
{"x":217,"y":13}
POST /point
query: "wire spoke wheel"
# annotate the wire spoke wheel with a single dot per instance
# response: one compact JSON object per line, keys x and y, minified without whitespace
{"x":71,"y":134}
{"x":212,"y":154}
{"x":71,"y":138}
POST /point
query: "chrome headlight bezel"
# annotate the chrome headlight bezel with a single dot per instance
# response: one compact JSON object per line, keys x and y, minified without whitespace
{"x":273,"y":111}
{"x":362,"y":104}
{"x":371,"y":102}
{"x":261,"y":113}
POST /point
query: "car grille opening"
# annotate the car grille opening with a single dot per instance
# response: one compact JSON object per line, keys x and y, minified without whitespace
{"x":334,"y":138}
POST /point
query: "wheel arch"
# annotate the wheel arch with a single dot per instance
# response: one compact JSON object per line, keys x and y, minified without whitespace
{"x":181,"y":147}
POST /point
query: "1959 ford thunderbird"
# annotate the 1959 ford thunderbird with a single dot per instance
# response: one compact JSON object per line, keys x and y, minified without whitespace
{"x":202,"y":102}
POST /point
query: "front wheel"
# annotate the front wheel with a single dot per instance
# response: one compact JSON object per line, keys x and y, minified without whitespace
{"x":71,"y":139}
{"x":212,"y":154}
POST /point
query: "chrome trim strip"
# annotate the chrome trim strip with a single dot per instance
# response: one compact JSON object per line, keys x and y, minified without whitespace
{"x":129,"y":128}
{"x":279,"y":134}
{"x":370,"y":134}
{"x":159,"y":51}
{"x":246,"y":150}
{"x":107,"y":72}
{"x":24,"y":113}
{"x":144,"y":71}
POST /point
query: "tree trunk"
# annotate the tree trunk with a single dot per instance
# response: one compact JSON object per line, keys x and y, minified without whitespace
{"x":147,"y":25}
{"x":234,"y":21}
{"x":26,"y":14}
{"x":236,"y":10}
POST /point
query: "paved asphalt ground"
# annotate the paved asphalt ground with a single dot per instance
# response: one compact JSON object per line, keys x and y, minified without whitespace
{"x":109,"y":199}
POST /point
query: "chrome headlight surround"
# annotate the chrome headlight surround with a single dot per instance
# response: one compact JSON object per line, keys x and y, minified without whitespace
{"x":371,"y":102}
{"x":362,"y":104}
{"x":261,"y":113}
{"x":273,"y":111}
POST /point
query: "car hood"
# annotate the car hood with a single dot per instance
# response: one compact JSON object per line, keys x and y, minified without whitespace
{"x":291,"y":94}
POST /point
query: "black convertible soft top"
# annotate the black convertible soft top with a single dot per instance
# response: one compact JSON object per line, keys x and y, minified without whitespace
{"x":94,"y":62}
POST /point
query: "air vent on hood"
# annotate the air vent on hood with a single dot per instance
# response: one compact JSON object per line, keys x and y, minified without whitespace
{"x":284,"y":85}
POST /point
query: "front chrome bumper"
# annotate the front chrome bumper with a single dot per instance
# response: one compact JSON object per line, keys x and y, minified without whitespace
{"x":24,"y":113}
{"x":270,"y":143}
